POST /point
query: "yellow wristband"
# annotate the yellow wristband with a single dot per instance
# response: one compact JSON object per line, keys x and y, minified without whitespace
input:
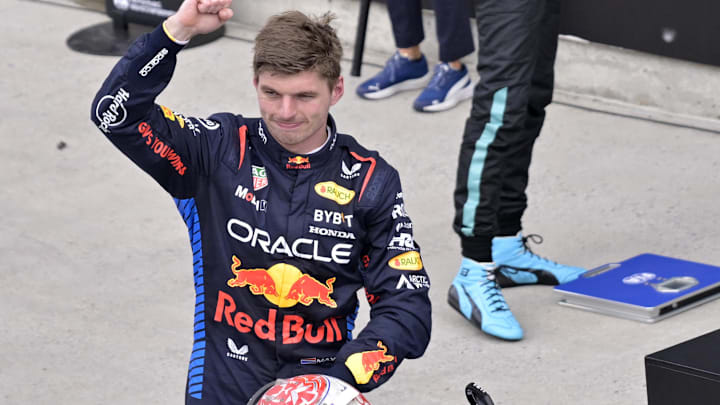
{"x":177,"y":41}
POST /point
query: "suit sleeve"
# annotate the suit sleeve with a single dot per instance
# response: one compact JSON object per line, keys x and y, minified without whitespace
{"x":396,"y":285}
{"x":175,"y":150}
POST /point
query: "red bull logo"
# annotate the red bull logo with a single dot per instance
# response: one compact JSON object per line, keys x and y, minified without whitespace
{"x":364,"y":364}
{"x":283,"y":284}
{"x":170,"y":115}
{"x":298,"y":162}
{"x":258,"y":280}
{"x":294,"y":328}
{"x":306,"y":288}
{"x":371,"y":298}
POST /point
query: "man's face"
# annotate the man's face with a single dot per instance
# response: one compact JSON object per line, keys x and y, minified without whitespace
{"x":295,"y":107}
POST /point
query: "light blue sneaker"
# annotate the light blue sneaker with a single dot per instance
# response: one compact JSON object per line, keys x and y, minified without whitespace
{"x":399,"y":74}
{"x":518,"y":265}
{"x":446,"y":88}
{"x":475,"y":294}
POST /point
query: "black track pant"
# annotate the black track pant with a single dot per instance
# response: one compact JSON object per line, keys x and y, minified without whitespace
{"x":452,"y":21}
{"x":516,"y":54}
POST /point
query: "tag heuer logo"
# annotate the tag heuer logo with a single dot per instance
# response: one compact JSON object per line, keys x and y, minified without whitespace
{"x":259,"y":177}
{"x":350,"y":173}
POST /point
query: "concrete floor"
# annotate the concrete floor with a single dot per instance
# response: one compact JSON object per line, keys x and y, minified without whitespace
{"x":96,"y":291}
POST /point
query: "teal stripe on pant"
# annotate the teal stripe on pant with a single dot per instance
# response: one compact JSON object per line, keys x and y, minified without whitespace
{"x":497,"y":112}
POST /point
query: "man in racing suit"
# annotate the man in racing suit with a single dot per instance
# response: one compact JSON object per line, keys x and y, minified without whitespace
{"x":287,"y":218}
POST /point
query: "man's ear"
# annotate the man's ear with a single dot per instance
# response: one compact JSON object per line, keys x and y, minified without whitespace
{"x":337,"y":91}
{"x":255,"y":81}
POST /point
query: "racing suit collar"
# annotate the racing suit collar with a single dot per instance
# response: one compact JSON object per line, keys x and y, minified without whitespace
{"x":294,"y":161}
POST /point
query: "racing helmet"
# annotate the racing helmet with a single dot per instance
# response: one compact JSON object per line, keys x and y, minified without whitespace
{"x":308,"y":389}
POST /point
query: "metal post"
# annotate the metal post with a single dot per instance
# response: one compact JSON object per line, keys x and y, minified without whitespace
{"x":360,"y":37}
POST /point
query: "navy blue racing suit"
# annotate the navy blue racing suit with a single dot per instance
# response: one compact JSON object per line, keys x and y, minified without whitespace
{"x":281,"y":242}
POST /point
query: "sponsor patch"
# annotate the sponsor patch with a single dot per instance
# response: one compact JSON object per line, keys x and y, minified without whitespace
{"x":407,"y":261}
{"x":399,"y":211}
{"x":161,"y":149}
{"x":283,"y":284}
{"x":352,"y":172}
{"x":331,"y":232}
{"x":372,"y":299}
{"x":298,"y":163}
{"x":110,"y":110}
{"x":403,"y":225}
{"x":244,"y":193}
{"x":303,"y":248}
{"x":332,"y":191}
{"x":412,"y":282}
{"x":209,"y":124}
{"x":153,"y":62}
{"x":237,"y":353}
{"x":171,"y":116}
{"x":260,"y":180}
{"x":332,"y":217}
{"x":364,"y":364}
{"x":403,"y":241}
{"x":261,"y":133}
{"x":294,"y":328}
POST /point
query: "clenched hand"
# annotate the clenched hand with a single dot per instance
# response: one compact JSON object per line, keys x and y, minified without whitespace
{"x":198,"y":17}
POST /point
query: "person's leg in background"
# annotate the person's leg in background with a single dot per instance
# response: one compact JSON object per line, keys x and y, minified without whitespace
{"x":450,"y":83}
{"x":407,"y":26}
{"x":507,"y":42}
{"x":518,"y":264}
{"x":407,"y":68}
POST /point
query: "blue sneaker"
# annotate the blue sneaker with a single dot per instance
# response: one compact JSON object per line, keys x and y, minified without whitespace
{"x":399,"y":73}
{"x":518,"y":265}
{"x":446,"y":88}
{"x":475,"y":294}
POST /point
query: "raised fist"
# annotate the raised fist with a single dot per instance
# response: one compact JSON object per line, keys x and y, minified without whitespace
{"x":198,"y":17}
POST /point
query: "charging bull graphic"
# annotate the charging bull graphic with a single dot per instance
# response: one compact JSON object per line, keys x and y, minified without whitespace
{"x":306,"y":288}
{"x":283,"y":284}
{"x":364,"y":364}
{"x":259,"y":280}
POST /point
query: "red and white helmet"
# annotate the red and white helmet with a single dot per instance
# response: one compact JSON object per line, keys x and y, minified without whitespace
{"x":309,"y":389}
